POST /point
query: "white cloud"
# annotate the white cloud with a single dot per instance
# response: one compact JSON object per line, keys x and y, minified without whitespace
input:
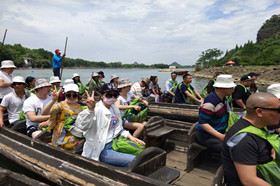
{"x":148,"y":31}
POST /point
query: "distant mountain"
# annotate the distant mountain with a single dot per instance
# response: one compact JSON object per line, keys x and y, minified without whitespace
{"x":175,"y":64}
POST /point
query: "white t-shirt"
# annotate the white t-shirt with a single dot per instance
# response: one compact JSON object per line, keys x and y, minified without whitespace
{"x":34,"y":104}
{"x":112,"y":127}
{"x":125,"y":101}
{"x":7,"y":79}
{"x":13,"y":104}
{"x":136,"y":89}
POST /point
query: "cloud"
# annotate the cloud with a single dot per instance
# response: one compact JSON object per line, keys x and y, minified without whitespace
{"x":147,"y":31}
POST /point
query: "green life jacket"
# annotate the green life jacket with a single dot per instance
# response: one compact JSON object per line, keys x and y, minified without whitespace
{"x":204,"y":90}
{"x":232,"y":119}
{"x":81,"y":88}
{"x":270,"y":171}
{"x":125,"y":145}
{"x":174,"y":85}
{"x":101,"y":81}
{"x":132,"y":115}
{"x":230,"y":98}
{"x":187,"y":99}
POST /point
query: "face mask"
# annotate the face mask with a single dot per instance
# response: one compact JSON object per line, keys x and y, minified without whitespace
{"x":71,"y":101}
{"x":110,"y":101}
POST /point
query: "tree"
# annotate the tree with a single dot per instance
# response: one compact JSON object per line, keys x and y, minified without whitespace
{"x":208,"y":55}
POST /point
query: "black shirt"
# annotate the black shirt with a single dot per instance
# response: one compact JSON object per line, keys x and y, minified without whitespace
{"x":240,"y":93}
{"x":251,"y":150}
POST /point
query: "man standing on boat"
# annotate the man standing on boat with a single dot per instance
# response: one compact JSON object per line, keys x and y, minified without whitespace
{"x":170,"y":87}
{"x":185,"y":93}
{"x":213,"y":115}
{"x":57,"y":58}
{"x":7,"y":68}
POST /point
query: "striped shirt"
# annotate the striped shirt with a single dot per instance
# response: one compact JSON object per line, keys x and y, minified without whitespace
{"x":136,"y":89}
{"x":214,"y":112}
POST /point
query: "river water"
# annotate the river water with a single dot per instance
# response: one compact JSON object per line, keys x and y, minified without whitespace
{"x":134,"y":75}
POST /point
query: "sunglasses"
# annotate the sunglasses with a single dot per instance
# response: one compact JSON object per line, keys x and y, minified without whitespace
{"x":68,"y":95}
{"x":273,"y":109}
{"x":18,"y":83}
{"x":112,"y":94}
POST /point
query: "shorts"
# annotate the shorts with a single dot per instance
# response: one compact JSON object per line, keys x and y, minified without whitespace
{"x":32,"y":129}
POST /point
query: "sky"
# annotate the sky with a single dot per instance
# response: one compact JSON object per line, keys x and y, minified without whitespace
{"x":146,"y":31}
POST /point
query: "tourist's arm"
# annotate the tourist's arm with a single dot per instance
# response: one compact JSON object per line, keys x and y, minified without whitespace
{"x":123,"y":107}
{"x":208,"y":128}
{"x":4,"y":84}
{"x":136,"y":140}
{"x":54,"y":115}
{"x":192,"y":96}
{"x":248,"y":175}
{"x":197,"y":94}
{"x":47,"y":108}
{"x":240,"y":103}
{"x":2,"y":109}
{"x":35,"y":118}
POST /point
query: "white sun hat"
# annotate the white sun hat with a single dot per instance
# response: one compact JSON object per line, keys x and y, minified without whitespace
{"x":113,"y":76}
{"x":274,"y":89}
{"x":18,"y":79}
{"x":8,"y":64}
{"x":71,"y":87}
{"x":54,"y":79}
{"x":67,"y":82}
{"x":42,"y":83}
{"x":224,"y":81}
{"x":75,"y":75}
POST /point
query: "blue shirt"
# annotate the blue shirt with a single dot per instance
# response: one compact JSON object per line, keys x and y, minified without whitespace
{"x":56,"y":61}
{"x":214,"y":112}
{"x":180,"y":94}
{"x":168,"y":85}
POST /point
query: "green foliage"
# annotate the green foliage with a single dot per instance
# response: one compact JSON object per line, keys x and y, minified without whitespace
{"x":209,"y":56}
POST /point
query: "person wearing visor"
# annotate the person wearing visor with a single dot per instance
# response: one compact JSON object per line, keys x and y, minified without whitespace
{"x":56,"y":61}
{"x":100,"y":124}
{"x":13,"y":101}
{"x":59,"y":112}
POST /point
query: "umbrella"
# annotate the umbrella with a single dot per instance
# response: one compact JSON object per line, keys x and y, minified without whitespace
{"x":230,"y":63}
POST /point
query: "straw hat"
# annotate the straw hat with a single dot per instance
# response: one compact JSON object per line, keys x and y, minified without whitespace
{"x":146,"y":80}
{"x":71,"y":87}
{"x":42,"y":83}
{"x":8,"y":64}
{"x":274,"y":89}
{"x":18,"y":79}
{"x":75,"y":75}
{"x":54,"y":79}
{"x":124,"y":83}
{"x":67,"y":82}
{"x":224,"y":81}
{"x":113,"y":76}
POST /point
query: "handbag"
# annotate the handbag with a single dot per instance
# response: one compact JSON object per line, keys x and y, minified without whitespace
{"x":125,"y":145}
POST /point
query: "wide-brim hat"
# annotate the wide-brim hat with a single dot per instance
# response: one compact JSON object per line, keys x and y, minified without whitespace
{"x":274,"y":89}
{"x":113,"y":76}
{"x":7,"y":64}
{"x":224,"y":81}
{"x":54,"y":79}
{"x":76,"y":75}
{"x":94,"y":74}
{"x":18,"y":79}
{"x":71,"y":87}
{"x":40,"y":83}
{"x":67,"y":82}
{"x":146,"y":80}
{"x":124,"y":83}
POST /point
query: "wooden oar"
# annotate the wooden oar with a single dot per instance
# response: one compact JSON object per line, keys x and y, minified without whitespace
{"x":63,"y":58}
{"x":3,"y":40}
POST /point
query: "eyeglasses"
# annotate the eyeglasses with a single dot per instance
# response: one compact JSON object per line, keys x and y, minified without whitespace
{"x":18,"y":83}
{"x":273,"y":109}
{"x":68,"y":95}
{"x":112,"y":94}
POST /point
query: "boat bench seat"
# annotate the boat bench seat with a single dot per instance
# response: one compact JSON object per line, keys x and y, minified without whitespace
{"x":193,"y":148}
{"x":156,"y":132}
{"x":20,"y":127}
{"x":152,"y":163}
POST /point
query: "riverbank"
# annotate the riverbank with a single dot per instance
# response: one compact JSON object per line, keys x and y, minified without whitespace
{"x":268,"y":75}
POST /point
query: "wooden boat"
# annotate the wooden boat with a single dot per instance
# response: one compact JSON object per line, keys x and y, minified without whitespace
{"x":8,"y":177}
{"x":62,"y":167}
{"x":181,"y":72}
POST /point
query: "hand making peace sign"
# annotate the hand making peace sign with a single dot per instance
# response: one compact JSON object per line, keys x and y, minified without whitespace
{"x":55,"y":93}
{"x":90,"y":101}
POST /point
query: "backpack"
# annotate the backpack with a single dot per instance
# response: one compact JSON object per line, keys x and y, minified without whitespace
{"x":133,"y":115}
{"x":125,"y":145}
{"x":271,"y":170}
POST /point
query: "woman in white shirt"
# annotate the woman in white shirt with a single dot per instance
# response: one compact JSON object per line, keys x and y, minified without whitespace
{"x":123,"y":103}
{"x":100,"y":124}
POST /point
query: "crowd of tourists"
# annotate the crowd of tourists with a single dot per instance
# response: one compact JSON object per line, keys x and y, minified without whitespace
{"x":98,"y":113}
